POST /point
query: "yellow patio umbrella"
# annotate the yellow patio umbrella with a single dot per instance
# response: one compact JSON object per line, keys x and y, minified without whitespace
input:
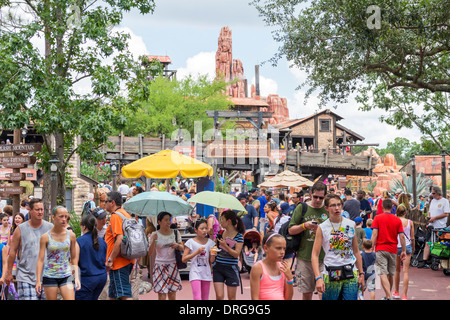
{"x":167,"y":164}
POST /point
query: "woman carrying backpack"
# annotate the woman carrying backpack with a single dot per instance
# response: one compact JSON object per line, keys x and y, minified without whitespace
{"x":166,"y":277}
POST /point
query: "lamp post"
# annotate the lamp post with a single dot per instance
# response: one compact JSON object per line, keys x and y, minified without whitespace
{"x":23,"y":134}
{"x":53,"y":174}
{"x":444,"y":175}
{"x":114,"y":175}
{"x":413,"y":174}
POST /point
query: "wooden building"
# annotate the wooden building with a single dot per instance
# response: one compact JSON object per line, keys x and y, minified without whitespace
{"x":318,"y":131}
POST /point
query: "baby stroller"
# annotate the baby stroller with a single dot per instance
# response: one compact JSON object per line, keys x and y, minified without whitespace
{"x":420,"y":245}
{"x":440,"y":250}
{"x":252,"y":251}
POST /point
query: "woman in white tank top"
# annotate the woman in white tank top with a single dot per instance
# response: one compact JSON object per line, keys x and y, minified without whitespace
{"x":408,"y":228}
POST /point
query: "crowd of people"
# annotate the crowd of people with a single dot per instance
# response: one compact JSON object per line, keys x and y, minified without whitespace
{"x":346,"y":240}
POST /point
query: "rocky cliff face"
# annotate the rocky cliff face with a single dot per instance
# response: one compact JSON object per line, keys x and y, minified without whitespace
{"x":232,"y":69}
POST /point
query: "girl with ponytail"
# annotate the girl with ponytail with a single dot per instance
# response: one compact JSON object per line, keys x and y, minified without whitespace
{"x":92,"y":258}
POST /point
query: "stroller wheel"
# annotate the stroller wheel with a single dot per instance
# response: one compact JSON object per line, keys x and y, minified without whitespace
{"x":414,"y":262}
{"x":434,"y":265}
{"x":446,"y":272}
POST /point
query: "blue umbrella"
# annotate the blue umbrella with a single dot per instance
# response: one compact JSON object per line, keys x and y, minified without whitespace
{"x":151,"y":203}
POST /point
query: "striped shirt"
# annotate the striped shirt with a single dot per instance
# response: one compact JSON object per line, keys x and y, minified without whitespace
{"x":223,"y":256}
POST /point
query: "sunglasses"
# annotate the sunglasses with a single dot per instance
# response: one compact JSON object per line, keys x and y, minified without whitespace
{"x":318,"y":197}
{"x":106,"y":201}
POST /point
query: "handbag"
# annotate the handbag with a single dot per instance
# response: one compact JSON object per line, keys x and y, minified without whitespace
{"x":9,"y":292}
{"x":179,"y":255}
{"x":340,"y":273}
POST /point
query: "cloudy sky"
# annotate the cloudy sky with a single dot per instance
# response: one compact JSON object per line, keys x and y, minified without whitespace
{"x":187,"y":31}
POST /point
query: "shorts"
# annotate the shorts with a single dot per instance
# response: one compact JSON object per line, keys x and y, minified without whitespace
{"x":304,"y":275}
{"x":342,"y":289}
{"x":226,"y":273}
{"x":385,"y":261}
{"x":26,"y":291}
{"x":119,"y":282}
{"x":57,"y":282}
{"x":408,"y":250}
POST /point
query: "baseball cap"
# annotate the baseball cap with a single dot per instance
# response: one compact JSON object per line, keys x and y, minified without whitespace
{"x":99,"y":213}
{"x":242,"y":195}
{"x":358,"y":219}
{"x":285,"y":207}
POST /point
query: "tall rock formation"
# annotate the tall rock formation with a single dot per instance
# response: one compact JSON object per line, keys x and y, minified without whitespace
{"x":224,"y":55}
{"x":232,"y":69}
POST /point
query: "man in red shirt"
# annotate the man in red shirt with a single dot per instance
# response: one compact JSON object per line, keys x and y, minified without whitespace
{"x":387,"y":229}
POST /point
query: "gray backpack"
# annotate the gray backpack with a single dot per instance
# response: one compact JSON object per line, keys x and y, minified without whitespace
{"x":134,"y":243}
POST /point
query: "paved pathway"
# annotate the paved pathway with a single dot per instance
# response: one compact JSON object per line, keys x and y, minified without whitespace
{"x":425,"y":284}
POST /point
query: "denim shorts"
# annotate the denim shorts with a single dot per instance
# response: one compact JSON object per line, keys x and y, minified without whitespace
{"x":119,"y":282}
{"x":408,"y":250}
{"x":56,"y":282}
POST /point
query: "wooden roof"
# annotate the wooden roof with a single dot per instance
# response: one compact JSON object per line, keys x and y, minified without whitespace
{"x":162,"y":59}
{"x":249,"y":102}
{"x":294,"y":122}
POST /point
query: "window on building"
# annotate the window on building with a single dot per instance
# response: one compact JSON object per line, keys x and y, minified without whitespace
{"x":325,"y":125}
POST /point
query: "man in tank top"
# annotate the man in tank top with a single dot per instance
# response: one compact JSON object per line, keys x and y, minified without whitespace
{"x":25,"y":243}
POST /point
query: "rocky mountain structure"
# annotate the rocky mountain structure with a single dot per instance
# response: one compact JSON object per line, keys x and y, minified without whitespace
{"x":233,"y":69}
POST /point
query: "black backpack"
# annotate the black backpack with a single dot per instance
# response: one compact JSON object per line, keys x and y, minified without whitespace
{"x":292,"y":241}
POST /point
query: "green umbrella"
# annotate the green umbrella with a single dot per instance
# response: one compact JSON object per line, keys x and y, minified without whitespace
{"x":218,"y":200}
{"x":151,"y":203}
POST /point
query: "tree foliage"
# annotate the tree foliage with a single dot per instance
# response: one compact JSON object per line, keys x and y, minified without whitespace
{"x":172,"y":103}
{"x":47,"y":49}
{"x":400,"y":66}
{"x":402,"y":149}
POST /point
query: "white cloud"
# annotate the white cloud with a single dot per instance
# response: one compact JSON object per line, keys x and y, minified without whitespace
{"x":203,"y":63}
{"x":136,"y":44}
{"x":266,"y":86}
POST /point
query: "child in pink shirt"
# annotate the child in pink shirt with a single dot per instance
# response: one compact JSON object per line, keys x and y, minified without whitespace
{"x":271,"y":278}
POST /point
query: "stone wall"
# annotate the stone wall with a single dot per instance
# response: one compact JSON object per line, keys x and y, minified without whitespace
{"x":81,"y":188}
{"x":323,"y":137}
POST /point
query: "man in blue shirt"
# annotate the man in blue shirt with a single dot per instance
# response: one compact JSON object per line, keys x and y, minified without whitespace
{"x":365,"y":207}
{"x":251,"y":217}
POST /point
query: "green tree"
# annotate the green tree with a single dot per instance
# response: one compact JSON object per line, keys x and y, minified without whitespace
{"x":400,"y":148}
{"x":393,"y":54}
{"x":172,"y":103}
{"x":39,"y":86}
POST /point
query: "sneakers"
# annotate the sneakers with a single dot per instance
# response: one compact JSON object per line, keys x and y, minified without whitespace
{"x":404,"y":297}
{"x":423,"y":265}
{"x":384,"y":298}
{"x":396,"y":295}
